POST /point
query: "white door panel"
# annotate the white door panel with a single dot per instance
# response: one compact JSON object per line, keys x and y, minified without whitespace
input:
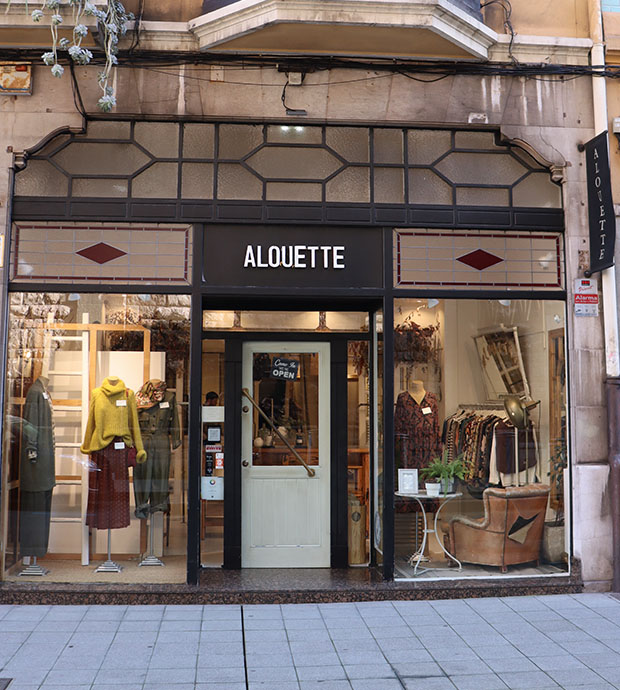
{"x":285,"y":512}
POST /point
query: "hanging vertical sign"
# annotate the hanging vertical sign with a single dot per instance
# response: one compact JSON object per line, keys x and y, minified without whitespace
{"x":602,"y":220}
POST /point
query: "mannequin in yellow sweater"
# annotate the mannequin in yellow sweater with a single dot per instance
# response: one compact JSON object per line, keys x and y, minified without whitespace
{"x":112,"y":430}
{"x":113,"y":414}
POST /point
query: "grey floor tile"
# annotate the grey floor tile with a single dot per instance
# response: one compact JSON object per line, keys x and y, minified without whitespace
{"x":24,"y":675}
{"x":266,"y":660}
{"x":513,"y":664}
{"x":312,"y":646}
{"x":362,"y":657}
{"x":363,"y":671}
{"x":527,"y":680}
{"x":557,"y":663}
{"x":453,"y":654}
{"x":183,"y":613}
{"x":114,"y":676}
{"x":263,"y":624}
{"x":140,"y":626}
{"x":186,"y":637}
{"x":349,"y":623}
{"x":584,"y":647}
{"x":70,"y":677}
{"x":428,"y":684}
{"x":611,"y":675}
{"x":271,"y":685}
{"x":575,"y":677}
{"x":397,"y":643}
{"x":316,"y":659}
{"x":325,"y":685}
{"x":174,"y":625}
{"x":53,"y":686}
{"x":119,"y":686}
{"x":98,"y":626}
{"x":277,"y":647}
{"x":232,"y":660}
{"x":279,"y":635}
{"x":175,"y":661}
{"x":462,"y":667}
{"x":216,"y":674}
{"x":220,"y":686}
{"x":168,"y":686}
{"x":304,"y":624}
{"x":221,"y":624}
{"x":405,"y":656}
{"x":321,"y":673}
{"x":377,"y":684}
{"x":208,"y":646}
{"x":422,"y":669}
{"x":171,"y":675}
{"x":482,"y":681}
{"x":277,"y":673}
{"x":298,"y":635}
{"x":136,"y":613}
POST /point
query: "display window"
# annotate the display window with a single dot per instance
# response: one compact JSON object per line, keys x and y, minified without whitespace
{"x":480,"y":438}
{"x":95,"y":457}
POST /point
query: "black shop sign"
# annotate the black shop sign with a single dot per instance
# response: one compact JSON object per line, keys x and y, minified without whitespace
{"x":293,"y":257}
{"x":601,"y":216}
{"x":284,"y":369}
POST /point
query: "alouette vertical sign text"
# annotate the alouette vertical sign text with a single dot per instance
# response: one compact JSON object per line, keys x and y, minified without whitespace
{"x":602,"y":220}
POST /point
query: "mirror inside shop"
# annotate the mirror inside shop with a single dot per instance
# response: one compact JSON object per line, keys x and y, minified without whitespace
{"x":480,"y":438}
{"x":95,"y":453}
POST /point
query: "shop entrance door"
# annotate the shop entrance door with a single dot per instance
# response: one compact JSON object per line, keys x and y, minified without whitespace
{"x":285,"y":455}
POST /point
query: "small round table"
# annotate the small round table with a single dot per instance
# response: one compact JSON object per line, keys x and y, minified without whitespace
{"x":420,"y":497}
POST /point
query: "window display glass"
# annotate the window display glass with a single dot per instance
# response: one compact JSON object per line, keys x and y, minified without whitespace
{"x":480,"y":437}
{"x":95,"y":454}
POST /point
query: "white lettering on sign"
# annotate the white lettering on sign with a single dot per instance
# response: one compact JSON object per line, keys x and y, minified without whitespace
{"x":298,"y":256}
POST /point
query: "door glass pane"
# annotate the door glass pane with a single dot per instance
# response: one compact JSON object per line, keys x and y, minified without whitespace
{"x":377,"y":406}
{"x":212,"y":465}
{"x":358,"y":455}
{"x":286,"y":389}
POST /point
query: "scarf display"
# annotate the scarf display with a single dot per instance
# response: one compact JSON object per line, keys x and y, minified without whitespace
{"x":151,"y":393}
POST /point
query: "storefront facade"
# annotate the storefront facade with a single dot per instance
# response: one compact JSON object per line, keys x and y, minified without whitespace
{"x":285,"y":282}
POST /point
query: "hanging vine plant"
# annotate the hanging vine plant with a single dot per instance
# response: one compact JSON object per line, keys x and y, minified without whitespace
{"x":112,"y":21}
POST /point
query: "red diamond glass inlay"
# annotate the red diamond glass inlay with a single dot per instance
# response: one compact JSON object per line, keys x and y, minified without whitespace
{"x":101,"y":253}
{"x":479,"y":259}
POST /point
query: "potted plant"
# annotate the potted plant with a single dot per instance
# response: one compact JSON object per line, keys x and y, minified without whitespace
{"x":443,"y":472}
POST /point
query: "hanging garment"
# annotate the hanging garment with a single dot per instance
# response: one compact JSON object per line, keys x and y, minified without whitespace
{"x":108,"y":488}
{"x":37,"y":473}
{"x":416,"y":427}
{"x":159,"y":427}
{"x":34,"y":522}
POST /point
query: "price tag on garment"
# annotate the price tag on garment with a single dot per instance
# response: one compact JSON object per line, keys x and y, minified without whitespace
{"x":46,"y":396}
{"x":164,"y":405}
{"x":119,"y":445}
{"x":121,"y":403}
{"x":426,"y":410}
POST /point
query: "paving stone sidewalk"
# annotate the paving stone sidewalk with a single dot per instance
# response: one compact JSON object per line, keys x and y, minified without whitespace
{"x":524,"y":643}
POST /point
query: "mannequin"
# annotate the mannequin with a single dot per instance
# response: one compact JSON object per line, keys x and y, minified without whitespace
{"x":417,"y":391}
{"x":112,"y":430}
{"x":159,"y":426}
{"x":37,"y":475}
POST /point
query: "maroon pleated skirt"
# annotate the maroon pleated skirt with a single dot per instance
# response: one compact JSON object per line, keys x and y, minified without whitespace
{"x":108,"y":489}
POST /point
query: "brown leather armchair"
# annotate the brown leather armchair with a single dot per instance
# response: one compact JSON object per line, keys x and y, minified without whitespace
{"x":510,"y":531}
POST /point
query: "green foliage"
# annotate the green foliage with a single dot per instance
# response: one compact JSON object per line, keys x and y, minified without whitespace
{"x":441,"y":468}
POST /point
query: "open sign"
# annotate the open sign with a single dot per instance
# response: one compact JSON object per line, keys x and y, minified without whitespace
{"x":284,"y":369}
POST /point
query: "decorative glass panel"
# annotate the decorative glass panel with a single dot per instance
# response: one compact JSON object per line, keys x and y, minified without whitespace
{"x":86,"y":158}
{"x":389,"y":186}
{"x":101,"y":253}
{"x":427,"y":188}
{"x":294,"y":191}
{"x":537,"y":190}
{"x":474,"y":140}
{"x":159,"y":138}
{"x":158,"y":181}
{"x":293,"y":163}
{"x":478,"y":259}
{"x":350,"y":142}
{"x":40,"y":178}
{"x":109,"y":129}
{"x":426,"y":145}
{"x":197,"y":181}
{"x":236,"y":141}
{"x":483,"y":168}
{"x":350,"y":185}
{"x":482,"y":196}
{"x":235,"y":182}
{"x":388,"y":146}
{"x":102,"y":187}
{"x":294,"y":134}
{"x":198,"y":140}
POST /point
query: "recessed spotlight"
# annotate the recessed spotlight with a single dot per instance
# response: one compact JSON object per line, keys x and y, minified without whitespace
{"x":284,"y":128}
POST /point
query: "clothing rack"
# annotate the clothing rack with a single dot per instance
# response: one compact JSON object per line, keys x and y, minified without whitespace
{"x":481,"y":406}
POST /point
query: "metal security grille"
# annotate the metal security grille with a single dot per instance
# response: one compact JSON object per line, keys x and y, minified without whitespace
{"x":121,"y":170}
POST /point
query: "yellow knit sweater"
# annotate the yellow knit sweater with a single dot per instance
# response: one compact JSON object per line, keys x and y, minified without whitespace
{"x":106,"y":419}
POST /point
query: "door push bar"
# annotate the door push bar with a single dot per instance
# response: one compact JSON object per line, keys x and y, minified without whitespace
{"x":284,"y":440}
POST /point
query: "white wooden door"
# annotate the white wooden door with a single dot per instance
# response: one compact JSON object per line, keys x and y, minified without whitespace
{"x":285,"y":511}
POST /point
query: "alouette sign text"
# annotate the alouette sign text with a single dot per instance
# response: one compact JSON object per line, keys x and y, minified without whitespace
{"x":300,"y":256}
